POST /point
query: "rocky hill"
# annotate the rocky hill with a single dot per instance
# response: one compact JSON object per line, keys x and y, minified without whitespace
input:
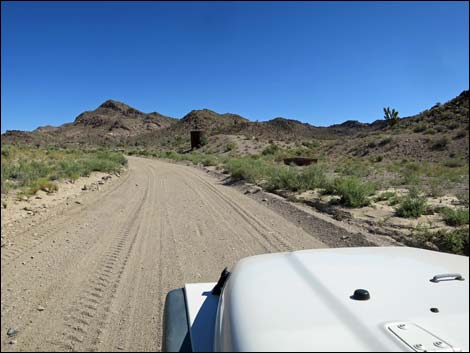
{"x":117,"y":124}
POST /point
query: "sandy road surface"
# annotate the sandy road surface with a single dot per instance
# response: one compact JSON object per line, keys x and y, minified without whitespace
{"x":94,"y":278}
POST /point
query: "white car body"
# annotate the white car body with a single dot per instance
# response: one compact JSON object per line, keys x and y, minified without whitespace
{"x":303,"y":301}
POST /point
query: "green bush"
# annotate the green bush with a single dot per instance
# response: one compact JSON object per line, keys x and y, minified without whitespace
{"x":354,"y":192}
{"x":271,"y":150}
{"x":454,"y":242}
{"x":455,"y":217}
{"x":208,"y":161}
{"x":355,"y":168}
{"x":230,"y":147}
{"x":376,"y":159}
{"x":286,"y":178}
{"x":32,"y":169}
{"x":386,"y":196}
{"x":40,"y":184}
{"x":311,"y":144}
{"x":412,"y":206}
{"x":250,"y":169}
{"x":313,"y":177}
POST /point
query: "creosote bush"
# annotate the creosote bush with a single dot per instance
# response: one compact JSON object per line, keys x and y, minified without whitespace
{"x":412,"y":206}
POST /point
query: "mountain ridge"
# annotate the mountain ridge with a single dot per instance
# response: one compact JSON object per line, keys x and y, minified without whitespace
{"x":114,"y":122}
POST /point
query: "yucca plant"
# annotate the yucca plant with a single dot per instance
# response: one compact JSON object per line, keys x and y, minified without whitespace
{"x":391,"y":116}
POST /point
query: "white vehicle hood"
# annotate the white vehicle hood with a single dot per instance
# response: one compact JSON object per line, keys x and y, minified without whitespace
{"x":301,"y":301}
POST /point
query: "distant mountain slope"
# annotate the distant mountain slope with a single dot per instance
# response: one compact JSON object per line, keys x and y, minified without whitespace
{"x":111,"y":122}
{"x":117,"y":124}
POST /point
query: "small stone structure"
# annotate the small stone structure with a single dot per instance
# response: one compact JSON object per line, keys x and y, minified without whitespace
{"x":196,"y":139}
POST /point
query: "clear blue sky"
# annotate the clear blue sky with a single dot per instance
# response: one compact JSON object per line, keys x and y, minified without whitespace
{"x":319,"y":62}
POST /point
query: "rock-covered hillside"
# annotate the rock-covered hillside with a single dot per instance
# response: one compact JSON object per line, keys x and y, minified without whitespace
{"x":438,"y":131}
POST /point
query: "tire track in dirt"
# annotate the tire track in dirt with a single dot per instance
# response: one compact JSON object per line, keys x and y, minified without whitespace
{"x":274,"y":238}
{"x":94,"y":300}
{"x":32,"y":238}
{"x":103,"y":286}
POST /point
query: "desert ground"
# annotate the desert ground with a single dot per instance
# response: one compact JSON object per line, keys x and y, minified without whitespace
{"x":92,"y":271}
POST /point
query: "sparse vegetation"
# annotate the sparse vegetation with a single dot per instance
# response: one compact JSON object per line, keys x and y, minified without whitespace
{"x":230,"y":147}
{"x":441,"y":143}
{"x":352,"y":159}
{"x":385,"y":141}
{"x":32,"y":169}
{"x":353,"y":191}
{"x":454,"y":163}
{"x":386,"y":196}
{"x":412,"y":206}
{"x":420,"y":128}
{"x":455,"y":241}
{"x":271,"y":150}
{"x":455,"y":217}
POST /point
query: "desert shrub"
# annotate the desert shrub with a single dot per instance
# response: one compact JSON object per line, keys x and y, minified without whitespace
{"x":313,"y":177}
{"x":420,"y":128}
{"x":311,"y":144}
{"x":436,"y":188}
{"x":454,"y":217}
{"x":440,"y":128}
{"x":230,"y":147}
{"x":394,"y":200}
{"x":353,"y":168}
{"x":34,"y":168}
{"x":430,"y":131}
{"x":441,"y":143}
{"x":283,"y":178}
{"x":454,"y":241}
{"x":208,"y":161}
{"x":412,"y":206}
{"x":410,"y":174}
{"x":250,"y":169}
{"x":271,"y":150}
{"x":353,"y":191}
{"x":6,"y":151}
{"x":41,"y":184}
{"x":377,"y":159}
{"x":385,"y":196}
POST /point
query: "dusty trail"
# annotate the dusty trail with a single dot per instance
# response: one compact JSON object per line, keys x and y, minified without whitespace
{"x":95,"y":277}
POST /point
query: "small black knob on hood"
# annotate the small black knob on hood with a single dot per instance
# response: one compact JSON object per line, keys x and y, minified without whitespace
{"x":360,"y":294}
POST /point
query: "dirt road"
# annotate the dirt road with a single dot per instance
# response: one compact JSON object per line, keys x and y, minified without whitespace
{"x":94,"y":278}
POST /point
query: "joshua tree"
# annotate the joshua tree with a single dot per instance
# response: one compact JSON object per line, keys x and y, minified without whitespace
{"x":391,"y":116}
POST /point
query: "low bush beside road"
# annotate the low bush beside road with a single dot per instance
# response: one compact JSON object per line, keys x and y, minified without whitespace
{"x":455,"y":217}
{"x":31,"y":169}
